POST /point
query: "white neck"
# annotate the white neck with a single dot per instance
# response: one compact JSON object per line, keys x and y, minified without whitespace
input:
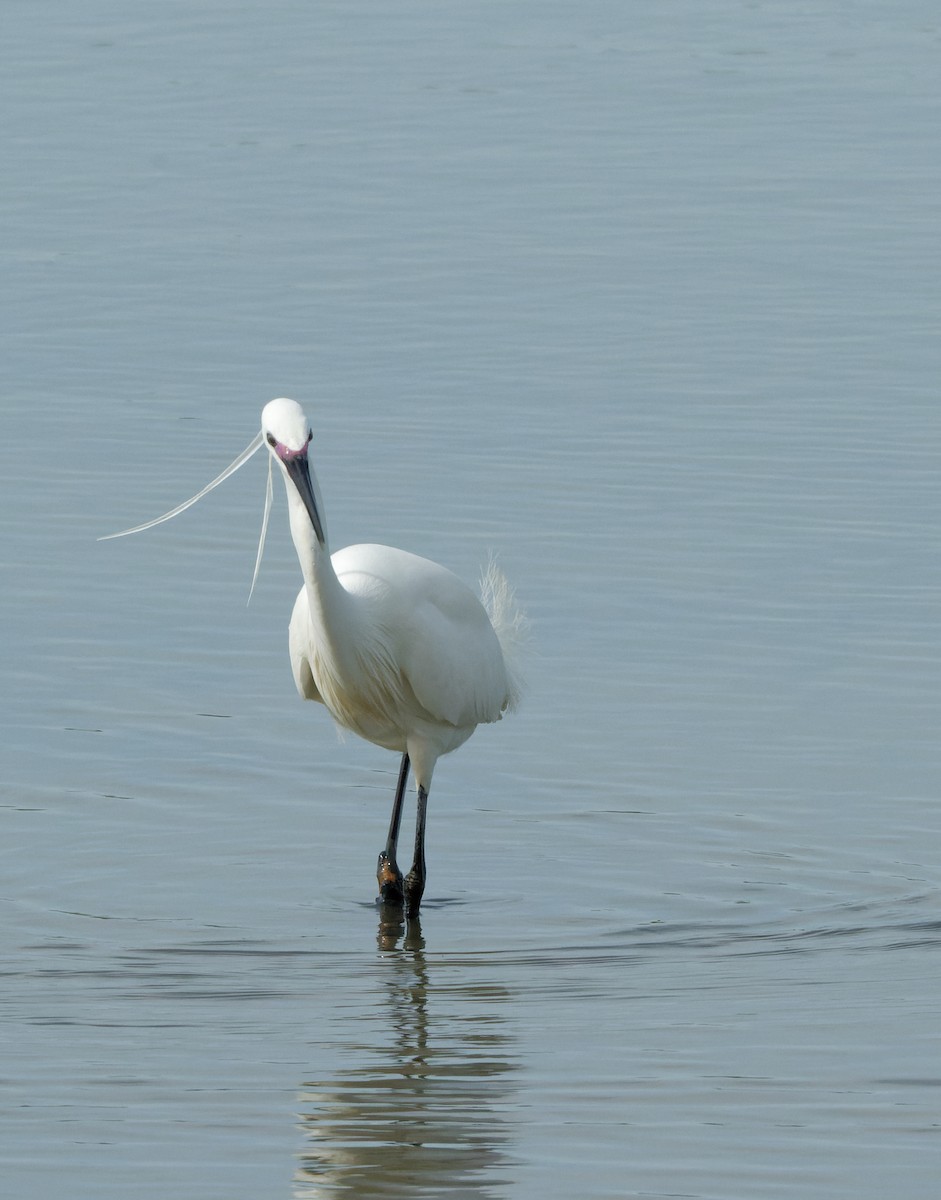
{"x":332,"y":608}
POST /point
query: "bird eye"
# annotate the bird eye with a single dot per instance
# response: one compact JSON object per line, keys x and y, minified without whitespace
{"x":271,"y":440}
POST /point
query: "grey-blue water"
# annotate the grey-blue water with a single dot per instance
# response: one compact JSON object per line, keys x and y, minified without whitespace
{"x":646,"y":299}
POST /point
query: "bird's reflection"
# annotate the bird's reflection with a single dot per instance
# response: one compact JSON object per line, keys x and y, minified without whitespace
{"x":421,"y":1114}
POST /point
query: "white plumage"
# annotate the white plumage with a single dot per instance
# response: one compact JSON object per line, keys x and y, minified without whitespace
{"x":396,"y":647}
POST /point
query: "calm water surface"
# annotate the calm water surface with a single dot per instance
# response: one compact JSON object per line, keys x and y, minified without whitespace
{"x":646,"y":301}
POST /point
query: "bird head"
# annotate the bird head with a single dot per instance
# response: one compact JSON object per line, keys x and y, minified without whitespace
{"x":287,"y":434}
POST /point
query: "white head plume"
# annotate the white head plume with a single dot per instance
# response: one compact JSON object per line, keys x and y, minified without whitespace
{"x":253,"y":446}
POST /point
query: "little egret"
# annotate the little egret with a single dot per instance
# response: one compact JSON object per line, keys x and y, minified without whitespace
{"x":396,"y":647}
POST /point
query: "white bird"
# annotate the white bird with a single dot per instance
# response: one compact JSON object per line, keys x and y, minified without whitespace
{"x":396,"y":647}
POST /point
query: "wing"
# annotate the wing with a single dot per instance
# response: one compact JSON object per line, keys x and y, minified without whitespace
{"x":299,"y":642}
{"x":434,"y":629}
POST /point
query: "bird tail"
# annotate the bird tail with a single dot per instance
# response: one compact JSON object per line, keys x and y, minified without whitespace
{"x":510,"y":624}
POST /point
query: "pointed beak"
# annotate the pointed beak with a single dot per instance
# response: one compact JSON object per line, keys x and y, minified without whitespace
{"x":296,"y":466}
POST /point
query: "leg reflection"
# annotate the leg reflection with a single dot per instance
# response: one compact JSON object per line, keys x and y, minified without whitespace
{"x":421,"y":1108}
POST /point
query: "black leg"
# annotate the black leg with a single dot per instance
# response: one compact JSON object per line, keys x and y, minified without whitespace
{"x":415,"y":879}
{"x":387,"y":872}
